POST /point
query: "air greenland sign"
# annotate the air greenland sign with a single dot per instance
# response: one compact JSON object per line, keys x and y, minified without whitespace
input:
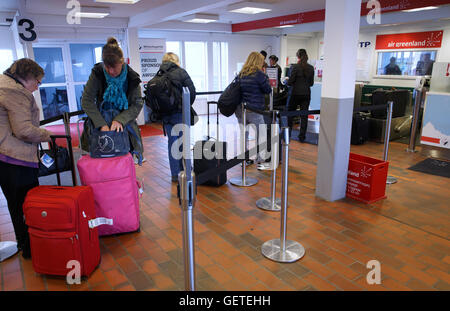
{"x":413,"y":40}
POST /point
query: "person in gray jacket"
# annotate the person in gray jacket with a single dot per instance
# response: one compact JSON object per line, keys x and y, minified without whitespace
{"x":115,"y":82}
{"x":19,"y":138}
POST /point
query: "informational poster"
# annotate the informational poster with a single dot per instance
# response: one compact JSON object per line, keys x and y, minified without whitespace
{"x":151,"y":52}
{"x":272,"y":73}
{"x":436,"y":129}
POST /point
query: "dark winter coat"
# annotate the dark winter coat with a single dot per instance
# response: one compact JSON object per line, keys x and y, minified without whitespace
{"x":93,"y":97}
{"x":301,"y":79}
{"x":253,"y":88}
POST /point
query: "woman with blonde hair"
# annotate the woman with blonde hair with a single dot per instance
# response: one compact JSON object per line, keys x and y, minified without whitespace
{"x":254,"y":85}
{"x":179,"y":77}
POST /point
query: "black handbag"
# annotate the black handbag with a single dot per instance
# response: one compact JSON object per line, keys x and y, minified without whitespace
{"x":60,"y":157}
{"x":230,"y":98}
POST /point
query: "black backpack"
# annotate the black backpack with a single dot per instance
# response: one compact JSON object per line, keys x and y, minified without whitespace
{"x":162,"y":94}
{"x":230,"y":98}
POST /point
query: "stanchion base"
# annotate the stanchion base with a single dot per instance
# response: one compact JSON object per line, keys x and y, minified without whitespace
{"x":272,"y":250}
{"x":248,"y":182}
{"x":266,"y":204}
{"x":391,"y":180}
{"x":264,"y":167}
{"x":411,"y":150}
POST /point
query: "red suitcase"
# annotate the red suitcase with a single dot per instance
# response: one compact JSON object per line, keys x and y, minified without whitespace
{"x":62,"y":228}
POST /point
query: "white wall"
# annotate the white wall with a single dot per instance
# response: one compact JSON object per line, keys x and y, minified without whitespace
{"x":239,"y":45}
{"x":6,"y":43}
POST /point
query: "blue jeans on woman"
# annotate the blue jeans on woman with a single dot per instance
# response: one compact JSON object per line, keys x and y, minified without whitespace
{"x":176,"y":166}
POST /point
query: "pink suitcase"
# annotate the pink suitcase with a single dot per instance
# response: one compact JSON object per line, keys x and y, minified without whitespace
{"x":116,"y":192}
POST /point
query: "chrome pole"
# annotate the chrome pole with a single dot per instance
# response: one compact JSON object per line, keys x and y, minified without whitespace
{"x":186,"y":194}
{"x":244,"y":181}
{"x":266,"y":166}
{"x":415,"y":121}
{"x":272,"y":203}
{"x":387,"y":134}
{"x":282,"y":250}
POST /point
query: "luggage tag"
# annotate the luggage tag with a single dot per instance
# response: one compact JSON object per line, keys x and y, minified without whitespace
{"x":47,"y":160}
{"x":100,"y":221}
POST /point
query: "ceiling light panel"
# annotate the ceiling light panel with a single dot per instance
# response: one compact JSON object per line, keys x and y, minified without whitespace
{"x":93,"y":12}
{"x":421,"y":9}
{"x":118,"y":1}
{"x":248,"y":7}
{"x":200,"y":18}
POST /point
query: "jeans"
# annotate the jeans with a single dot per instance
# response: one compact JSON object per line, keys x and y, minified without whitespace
{"x":176,"y":166}
{"x":15,"y":181}
{"x":252,"y":118}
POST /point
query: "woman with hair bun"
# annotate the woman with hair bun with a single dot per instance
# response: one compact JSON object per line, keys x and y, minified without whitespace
{"x":19,"y":138}
{"x":114,"y":82}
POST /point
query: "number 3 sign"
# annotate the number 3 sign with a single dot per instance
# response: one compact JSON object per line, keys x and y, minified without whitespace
{"x":26,"y":30}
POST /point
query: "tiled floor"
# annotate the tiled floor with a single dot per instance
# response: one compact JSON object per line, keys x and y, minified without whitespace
{"x":408,"y":233}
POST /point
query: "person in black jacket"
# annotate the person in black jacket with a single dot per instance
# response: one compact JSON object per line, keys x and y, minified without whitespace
{"x":171,"y":64}
{"x":301,"y":79}
{"x":274,"y":64}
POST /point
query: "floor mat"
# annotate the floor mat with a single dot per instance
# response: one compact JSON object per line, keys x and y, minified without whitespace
{"x":148,"y":130}
{"x":433,"y":167}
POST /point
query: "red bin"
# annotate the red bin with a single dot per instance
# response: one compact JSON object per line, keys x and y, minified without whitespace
{"x":366,"y":179}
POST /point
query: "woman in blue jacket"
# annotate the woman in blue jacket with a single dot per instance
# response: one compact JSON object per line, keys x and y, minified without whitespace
{"x":254,"y":85}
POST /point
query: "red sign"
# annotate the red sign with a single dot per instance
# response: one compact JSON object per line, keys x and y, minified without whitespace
{"x":387,"y":6}
{"x":299,"y":18}
{"x":413,"y":40}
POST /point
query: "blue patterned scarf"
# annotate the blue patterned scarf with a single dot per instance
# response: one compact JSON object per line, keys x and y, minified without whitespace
{"x":115,"y":92}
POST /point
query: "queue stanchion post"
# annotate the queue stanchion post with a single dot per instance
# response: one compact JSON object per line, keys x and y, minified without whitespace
{"x":186,"y":194}
{"x":387,"y":134}
{"x":283,"y":250}
{"x":415,"y":121}
{"x":244,"y":181}
{"x":272,"y":203}
{"x":267,"y":166}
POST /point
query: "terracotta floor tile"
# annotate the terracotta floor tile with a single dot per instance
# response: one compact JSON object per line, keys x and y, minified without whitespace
{"x":115,"y":277}
{"x":319,"y":283}
{"x":218,"y":274}
{"x":340,"y":237}
{"x":343,"y":283}
{"x":12,"y":281}
{"x":162,"y":282}
{"x":127,"y":265}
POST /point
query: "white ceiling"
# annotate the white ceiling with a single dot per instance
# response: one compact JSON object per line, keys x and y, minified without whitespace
{"x":165,"y":14}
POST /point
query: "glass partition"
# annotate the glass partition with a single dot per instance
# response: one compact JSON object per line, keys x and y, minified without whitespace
{"x":406,"y":63}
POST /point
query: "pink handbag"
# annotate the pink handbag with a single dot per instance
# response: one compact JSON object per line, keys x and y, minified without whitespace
{"x":116,"y":192}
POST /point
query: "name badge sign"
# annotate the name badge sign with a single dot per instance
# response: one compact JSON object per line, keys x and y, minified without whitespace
{"x":273,"y":76}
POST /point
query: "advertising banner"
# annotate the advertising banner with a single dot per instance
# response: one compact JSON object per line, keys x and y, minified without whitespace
{"x":151,"y":52}
{"x":413,"y":40}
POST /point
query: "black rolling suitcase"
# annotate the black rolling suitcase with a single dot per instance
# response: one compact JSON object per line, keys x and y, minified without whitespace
{"x":213,"y":154}
{"x":360,"y":129}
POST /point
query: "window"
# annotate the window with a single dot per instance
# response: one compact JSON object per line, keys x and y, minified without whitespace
{"x":6,"y":59}
{"x":174,"y":47}
{"x":196,"y":64}
{"x":83,"y":58}
{"x":220,"y":66}
{"x":406,"y":63}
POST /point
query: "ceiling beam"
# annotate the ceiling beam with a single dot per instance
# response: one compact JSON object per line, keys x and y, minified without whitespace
{"x":174,"y":10}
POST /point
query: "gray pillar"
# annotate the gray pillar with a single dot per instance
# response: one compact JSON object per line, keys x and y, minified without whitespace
{"x":342,"y":18}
